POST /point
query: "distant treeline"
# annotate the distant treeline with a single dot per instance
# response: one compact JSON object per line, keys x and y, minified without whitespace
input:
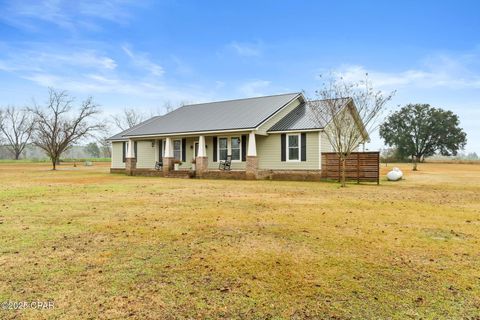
{"x":392,"y":155}
{"x":31,"y":152}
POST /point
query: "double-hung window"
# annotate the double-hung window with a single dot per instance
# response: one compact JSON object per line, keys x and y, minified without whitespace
{"x":293,"y":147}
{"x":222,"y":148}
{"x":235,"y":147}
{"x":177,"y":149}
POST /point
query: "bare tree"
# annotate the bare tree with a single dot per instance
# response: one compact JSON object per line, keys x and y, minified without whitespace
{"x":57,"y":127}
{"x":167,"y":107}
{"x":16,"y":125}
{"x":105,"y":145}
{"x":128,"y":118}
{"x":350,"y":112}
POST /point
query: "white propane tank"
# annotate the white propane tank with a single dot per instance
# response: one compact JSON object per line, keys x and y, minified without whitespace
{"x":395,"y":175}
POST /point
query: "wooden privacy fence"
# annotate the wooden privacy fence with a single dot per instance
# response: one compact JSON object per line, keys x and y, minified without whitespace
{"x":360,"y":166}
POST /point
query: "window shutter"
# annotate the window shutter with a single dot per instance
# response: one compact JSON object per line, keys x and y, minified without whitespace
{"x":214,"y":149}
{"x":184,"y":151}
{"x":135,"y":149}
{"x":160,"y":150}
{"x":284,"y":147}
{"x":124,"y":151}
{"x":303,"y":143}
{"x":244,"y":148}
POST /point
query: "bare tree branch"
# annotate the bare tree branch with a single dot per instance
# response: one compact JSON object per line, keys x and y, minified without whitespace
{"x":16,"y":125}
{"x":348,"y":112}
{"x":128,"y":119}
{"x":57,"y":127}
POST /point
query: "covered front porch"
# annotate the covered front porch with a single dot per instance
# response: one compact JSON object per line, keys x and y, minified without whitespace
{"x":192,"y":155}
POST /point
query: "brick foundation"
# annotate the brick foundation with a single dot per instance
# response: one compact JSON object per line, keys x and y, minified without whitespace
{"x":167,"y":164}
{"x":201,"y":165}
{"x":252,"y":172}
{"x":130,"y":166}
{"x":251,"y":167}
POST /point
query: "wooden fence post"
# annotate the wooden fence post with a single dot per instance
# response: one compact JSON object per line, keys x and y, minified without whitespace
{"x":358,"y":168}
{"x":378,"y":170}
{"x":339,"y":169}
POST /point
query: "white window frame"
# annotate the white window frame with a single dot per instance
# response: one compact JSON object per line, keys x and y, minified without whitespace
{"x":239,"y":148}
{"x":299,"y":147}
{"x":173,"y":147}
{"x":218,"y":148}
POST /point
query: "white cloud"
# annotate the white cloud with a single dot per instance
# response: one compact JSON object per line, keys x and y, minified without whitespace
{"x":254,"y":88}
{"x":440,"y":71}
{"x":92,"y":84}
{"x":246,"y":49}
{"x":65,"y":14}
{"x":39,"y":58}
{"x":90,"y":72}
{"x":141,"y":60}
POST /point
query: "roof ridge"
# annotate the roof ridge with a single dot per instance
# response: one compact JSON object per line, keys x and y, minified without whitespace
{"x":239,"y":99}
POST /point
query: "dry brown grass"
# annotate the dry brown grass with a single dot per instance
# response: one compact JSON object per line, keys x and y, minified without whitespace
{"x":114,"y":247}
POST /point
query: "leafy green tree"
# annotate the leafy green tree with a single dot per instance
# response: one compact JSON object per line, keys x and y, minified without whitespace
{"x":93,"y":150}
{"x":419,"y":131}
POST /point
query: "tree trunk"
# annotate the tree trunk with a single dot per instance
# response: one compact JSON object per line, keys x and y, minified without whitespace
{"x":17,"y":155}
{"x":54,"y":164}
{"x":415,"y":159}
{"x":344,"y":161}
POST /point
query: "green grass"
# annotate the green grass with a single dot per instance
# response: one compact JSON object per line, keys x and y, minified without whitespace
{"x":116,"y":247}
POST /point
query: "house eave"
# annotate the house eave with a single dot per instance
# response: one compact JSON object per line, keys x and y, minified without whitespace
{"x":296,"y":130}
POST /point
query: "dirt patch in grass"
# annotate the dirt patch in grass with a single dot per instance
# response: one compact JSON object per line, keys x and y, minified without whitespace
{"x":105,"y":246}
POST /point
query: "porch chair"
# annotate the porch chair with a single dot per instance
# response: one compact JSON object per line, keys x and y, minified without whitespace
{"x":159,"y":165}
{"x":226,"y":165}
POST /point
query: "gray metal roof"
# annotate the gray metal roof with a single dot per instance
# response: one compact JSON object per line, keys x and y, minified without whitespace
{"x":302,"y":118}
{"x":222,"y":115}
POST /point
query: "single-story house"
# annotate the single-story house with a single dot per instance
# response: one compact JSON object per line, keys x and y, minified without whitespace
{"x":262,"y":137}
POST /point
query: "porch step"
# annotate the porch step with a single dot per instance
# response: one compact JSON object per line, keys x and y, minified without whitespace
{"x":181,"y":174}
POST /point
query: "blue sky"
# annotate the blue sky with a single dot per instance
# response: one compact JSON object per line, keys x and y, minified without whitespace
{"x":145,"y":54}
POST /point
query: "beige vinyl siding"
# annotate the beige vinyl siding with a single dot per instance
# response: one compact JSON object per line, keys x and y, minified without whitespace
{"x":269,"y":153}
{"x":145,"y":154}
{"x":325,"y":143}
{"x":214,"y":165}
{"x":117,"y":155}
{"x":270,"y":122}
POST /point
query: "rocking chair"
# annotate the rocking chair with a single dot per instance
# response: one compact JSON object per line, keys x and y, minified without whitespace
{"x":226,"y":165}
{"x":158,"y":165}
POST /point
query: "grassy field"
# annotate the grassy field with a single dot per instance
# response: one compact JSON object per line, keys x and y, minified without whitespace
{"x":104,"y":246}
{"x":79,"y":160}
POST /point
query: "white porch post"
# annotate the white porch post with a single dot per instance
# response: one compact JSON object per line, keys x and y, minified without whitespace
{"x":168,"y":156}
{"x":201,"y":161}
{"x":168,"y":148}
{"x":252,"y":146}
{"x":251,"y":168}
{"x":130,"y":151}
{"x":130,"y":161}
{"x":201,"y":147}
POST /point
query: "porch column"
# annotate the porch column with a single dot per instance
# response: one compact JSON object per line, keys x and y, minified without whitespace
{"x":130,"y":160}
{"x":251,"y":168}
{"x":201,"y":161}
{"x":168,"y":156}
